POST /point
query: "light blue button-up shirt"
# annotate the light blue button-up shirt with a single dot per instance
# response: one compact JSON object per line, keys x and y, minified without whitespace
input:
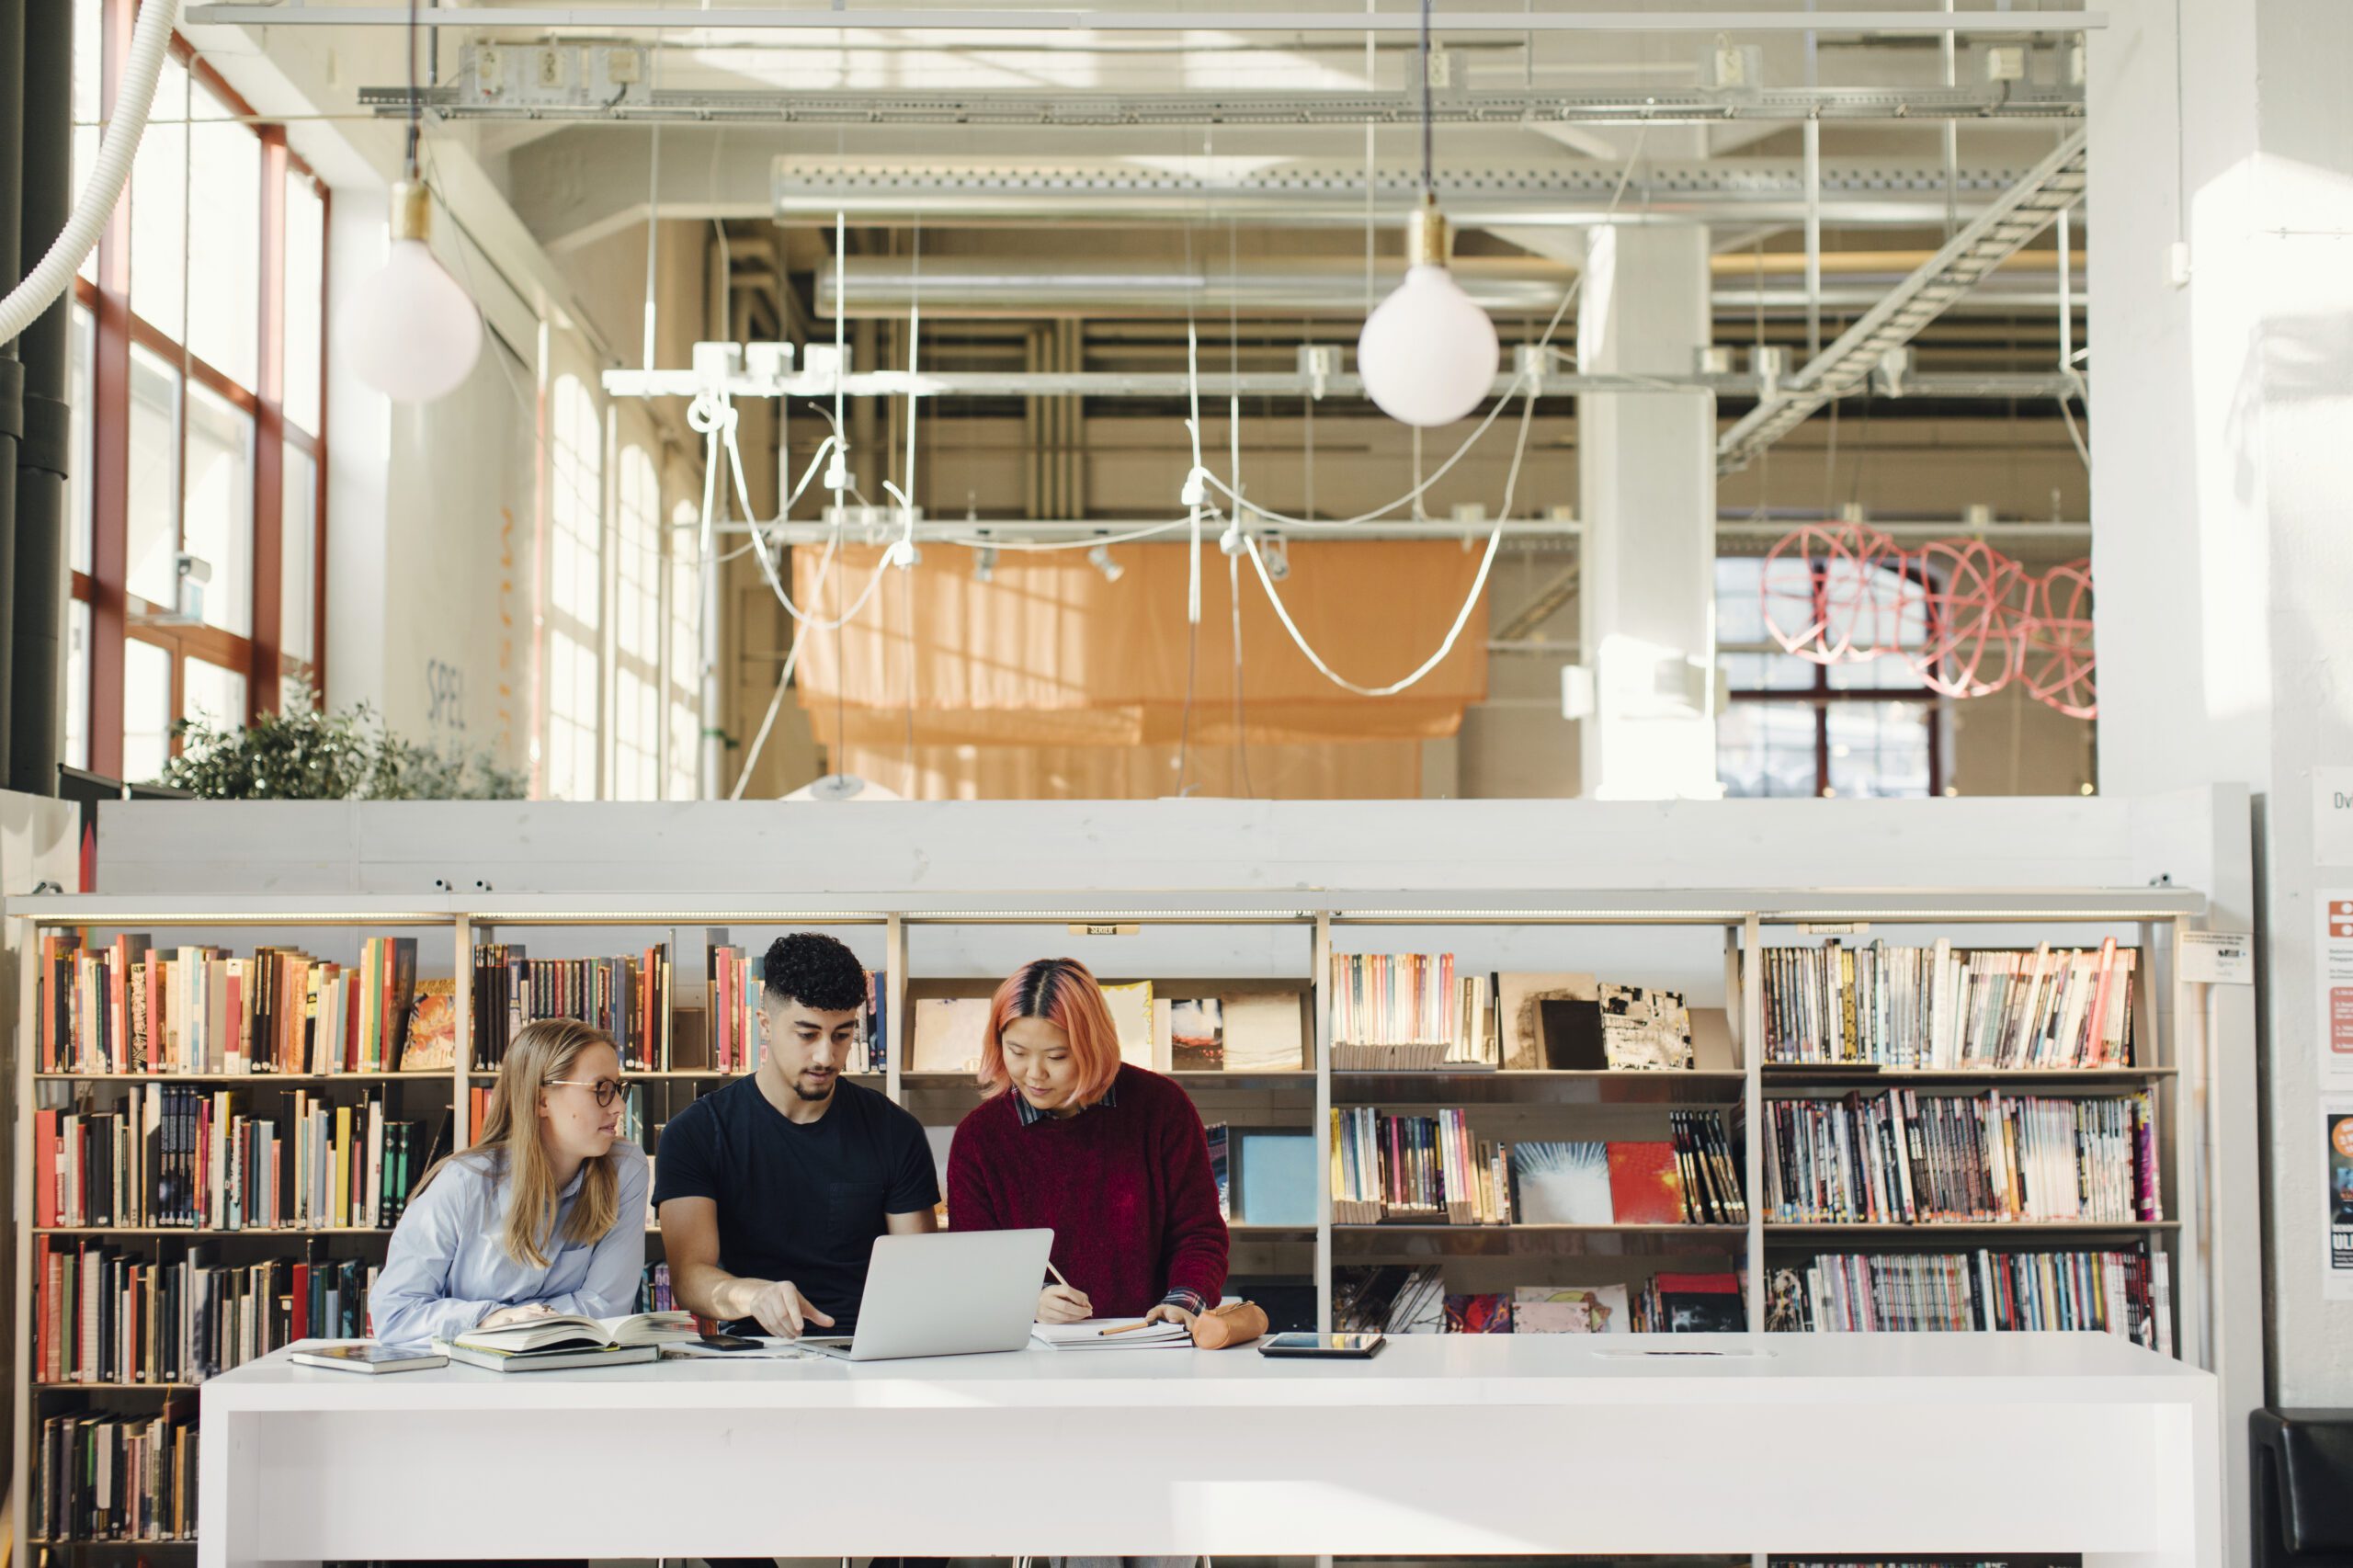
{"x":447,"y":1267}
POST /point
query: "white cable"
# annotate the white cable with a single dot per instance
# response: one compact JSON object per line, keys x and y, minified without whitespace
{"x":1413,"y":497}
{"x":132,"y":100}
{"x":783,"y":679}
{"x":759,"y":547}
{"x":1406,"y":500}
{"x":1193,"y":495}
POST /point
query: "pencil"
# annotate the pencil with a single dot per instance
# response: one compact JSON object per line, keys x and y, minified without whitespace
{"x":1058,"y":1276}
{"x":1124,"y":1328}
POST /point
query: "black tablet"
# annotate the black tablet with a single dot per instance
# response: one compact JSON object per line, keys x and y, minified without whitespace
{"x":1339,"y":1346}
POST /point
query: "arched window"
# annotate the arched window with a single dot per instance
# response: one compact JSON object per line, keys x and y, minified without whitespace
{"x":575,"y":668}
{"x":683,"y":771}
{"x":637,"y":628}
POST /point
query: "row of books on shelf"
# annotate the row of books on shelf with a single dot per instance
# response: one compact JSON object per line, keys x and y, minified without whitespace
{"x":1935,"y":1008}
{"x":2121,"y":1291}
{"x":1400,"y":1299}
{"x":1432,"y":1168}
{"x":1901,"y":1158}
{"x":176,"y":1156}
{"x":627,"y":997}
{"x":105,"y":1475}
{"x":101,"y":1315}
{"x":132,"y":1007}
{"x":1232,"y":1031}
{"x":1415,"y":1012}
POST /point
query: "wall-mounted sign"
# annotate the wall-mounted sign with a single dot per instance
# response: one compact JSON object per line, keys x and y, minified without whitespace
{"x":2332,"y":816}
{"x":2333,"y":972}
{"x":2218,"y":957}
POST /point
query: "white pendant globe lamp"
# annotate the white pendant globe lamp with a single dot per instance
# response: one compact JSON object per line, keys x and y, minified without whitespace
{"x":1428,"y":354}
{"x":410,"y":331}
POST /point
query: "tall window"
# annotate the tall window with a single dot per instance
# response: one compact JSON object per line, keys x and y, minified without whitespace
{"x":1794,"y":727}
{"x":575,"y":590}
{"x":685,"y":654}
{"x":637,"y":628}
{"x":196,"y":505}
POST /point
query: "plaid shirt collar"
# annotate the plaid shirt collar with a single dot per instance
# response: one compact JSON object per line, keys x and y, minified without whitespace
{"x":1032,"y":1115}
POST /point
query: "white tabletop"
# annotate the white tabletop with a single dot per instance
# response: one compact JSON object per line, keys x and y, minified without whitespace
{"x":1448,"y":1369}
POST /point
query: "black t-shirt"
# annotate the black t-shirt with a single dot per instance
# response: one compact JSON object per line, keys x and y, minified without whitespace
{"x":799,"y":1202}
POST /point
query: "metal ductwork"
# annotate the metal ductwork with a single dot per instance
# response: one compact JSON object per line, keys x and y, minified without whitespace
{"x":969,"y":287}
{"x":1117,"y":191}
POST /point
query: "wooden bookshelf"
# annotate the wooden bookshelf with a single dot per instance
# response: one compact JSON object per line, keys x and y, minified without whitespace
{"x":208,"y":1233}
{"x":1977,"y":1231}
{"x":297,"y":1080}
{"x":1502,"y":932}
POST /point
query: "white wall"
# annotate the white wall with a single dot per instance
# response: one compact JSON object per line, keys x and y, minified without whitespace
{"x":2221,"y":501}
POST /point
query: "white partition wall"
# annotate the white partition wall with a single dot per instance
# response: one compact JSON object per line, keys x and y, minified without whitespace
{"x":958,"y":894}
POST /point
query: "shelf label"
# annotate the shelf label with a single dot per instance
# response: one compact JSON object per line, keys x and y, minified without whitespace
{"x":1081,"y":929}
{"x":2218,"y":957}
{"x":1834,"y":927}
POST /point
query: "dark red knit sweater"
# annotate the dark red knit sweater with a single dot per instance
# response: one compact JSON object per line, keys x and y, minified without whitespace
{"x":1125,"y":1186}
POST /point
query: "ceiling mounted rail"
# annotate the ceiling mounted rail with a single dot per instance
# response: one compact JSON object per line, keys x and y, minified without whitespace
{"x":1549,"y":383}
{"x":948,"y":19}
{"x":1991,"y":238}
{"x":635,"y":103}
{"x":1874,"y":192}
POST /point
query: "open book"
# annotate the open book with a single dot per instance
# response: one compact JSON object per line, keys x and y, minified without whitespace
{"x":1110,"y":1333}
{"x":566,"y":1332}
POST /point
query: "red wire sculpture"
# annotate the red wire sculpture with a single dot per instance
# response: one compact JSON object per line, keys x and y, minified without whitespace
{"x":1842,"y":593}
{"x":1833,"y":610}
{"x":2059,"y":665}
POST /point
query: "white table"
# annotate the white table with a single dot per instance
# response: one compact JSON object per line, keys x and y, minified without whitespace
{"x":1830,"y":1443}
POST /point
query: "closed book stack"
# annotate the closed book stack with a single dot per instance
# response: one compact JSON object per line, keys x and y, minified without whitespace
{"x":1419,"y":1168}
{"x":1935,"y":1008}
{"x":108,"y":1476}
{"x":130,"y":1008}
{"x":103,"y":1316}
{"x":179,"y":1155}
{"x":1410,"y":1012}
{"x":2098,"y":1291}
{"x":1901,"y":1158}
{"x":628,"y":996}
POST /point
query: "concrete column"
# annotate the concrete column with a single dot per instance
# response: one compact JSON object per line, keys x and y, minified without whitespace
{"x":1647,"y":473}
{"x":2221,"y":365}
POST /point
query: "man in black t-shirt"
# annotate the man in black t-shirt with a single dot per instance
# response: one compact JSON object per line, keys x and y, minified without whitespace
{"x":772,"y":1190}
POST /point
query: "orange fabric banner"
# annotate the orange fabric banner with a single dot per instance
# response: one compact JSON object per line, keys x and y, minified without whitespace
{"x":1048,"y":653}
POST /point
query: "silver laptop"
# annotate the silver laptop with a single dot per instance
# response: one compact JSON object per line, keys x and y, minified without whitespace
{"x":948,"y":1293}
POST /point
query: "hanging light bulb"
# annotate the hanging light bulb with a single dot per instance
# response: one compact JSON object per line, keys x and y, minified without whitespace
{"x":1428,"y":354}
{"x":410,"y":331}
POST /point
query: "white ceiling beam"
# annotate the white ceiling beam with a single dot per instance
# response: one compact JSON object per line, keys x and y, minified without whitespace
{"x":950,"y":19}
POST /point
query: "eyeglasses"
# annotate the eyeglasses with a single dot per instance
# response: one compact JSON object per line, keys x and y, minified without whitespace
{"x":607,"y":1090}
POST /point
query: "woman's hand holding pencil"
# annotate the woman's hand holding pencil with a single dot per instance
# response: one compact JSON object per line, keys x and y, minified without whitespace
{"x":1062,"y":1301}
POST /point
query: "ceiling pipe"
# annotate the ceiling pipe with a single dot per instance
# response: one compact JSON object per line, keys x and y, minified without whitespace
{"x":974,"y":289}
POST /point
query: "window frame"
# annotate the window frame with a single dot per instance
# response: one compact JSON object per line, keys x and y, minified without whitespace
{"x":116,"y":614}
{"x":1820,"y":696}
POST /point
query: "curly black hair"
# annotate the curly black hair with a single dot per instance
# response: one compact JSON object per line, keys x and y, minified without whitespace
{"x":816,"y":972}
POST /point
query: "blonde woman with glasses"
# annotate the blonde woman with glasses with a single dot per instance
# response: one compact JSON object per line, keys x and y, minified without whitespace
{"x":545,"y":1213}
